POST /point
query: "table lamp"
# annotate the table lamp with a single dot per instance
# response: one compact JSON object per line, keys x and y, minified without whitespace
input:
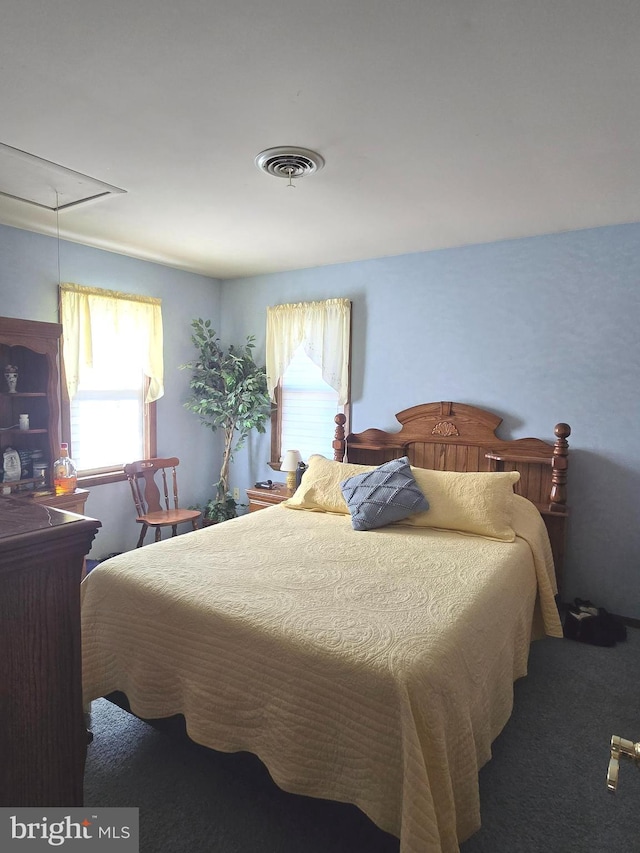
{"x":290,"y":464}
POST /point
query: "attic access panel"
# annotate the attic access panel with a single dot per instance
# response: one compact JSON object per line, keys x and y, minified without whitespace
{"x":32,"y":179}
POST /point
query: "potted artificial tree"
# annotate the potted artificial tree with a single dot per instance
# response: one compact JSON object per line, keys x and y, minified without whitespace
{"x":228,"y":392}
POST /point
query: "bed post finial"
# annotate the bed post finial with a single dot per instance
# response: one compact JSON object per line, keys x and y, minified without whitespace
{"x":339,"y":444}
{"x":559,"y":465}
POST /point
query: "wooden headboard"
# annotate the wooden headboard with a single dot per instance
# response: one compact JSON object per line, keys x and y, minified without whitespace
{"x":458,"y":437}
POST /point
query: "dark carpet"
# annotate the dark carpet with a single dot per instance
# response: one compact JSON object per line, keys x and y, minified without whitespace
{"x":544,"y":790}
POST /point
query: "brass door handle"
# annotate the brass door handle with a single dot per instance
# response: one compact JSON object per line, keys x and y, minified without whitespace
{"x":620,"y":748}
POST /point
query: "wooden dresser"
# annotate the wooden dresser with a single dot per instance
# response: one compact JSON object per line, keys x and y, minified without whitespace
{"x":43,"y":739}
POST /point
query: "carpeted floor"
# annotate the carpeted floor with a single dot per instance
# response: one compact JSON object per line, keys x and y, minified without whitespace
{"x":544,"y":791}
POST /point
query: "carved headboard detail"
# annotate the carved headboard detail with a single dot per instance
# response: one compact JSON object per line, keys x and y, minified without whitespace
{"x":445,"y":428}
{"x":448,"y":436}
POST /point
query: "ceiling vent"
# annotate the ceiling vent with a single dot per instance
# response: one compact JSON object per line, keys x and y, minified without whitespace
{"x":289,"y":162}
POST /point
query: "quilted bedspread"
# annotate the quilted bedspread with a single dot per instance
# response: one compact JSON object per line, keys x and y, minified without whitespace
{"x":374,"y":668}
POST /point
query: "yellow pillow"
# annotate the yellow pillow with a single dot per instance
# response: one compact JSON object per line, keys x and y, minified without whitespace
{"x":319,"y":489}
{"x":471,"y":502}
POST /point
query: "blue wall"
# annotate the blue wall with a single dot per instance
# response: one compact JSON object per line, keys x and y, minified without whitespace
{"x":537,"y":330}
{"x":29,"y":289}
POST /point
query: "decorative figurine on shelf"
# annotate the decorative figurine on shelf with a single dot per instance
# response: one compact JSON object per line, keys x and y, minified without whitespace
{"x":11,"y":465}
{"x":11,"y":375}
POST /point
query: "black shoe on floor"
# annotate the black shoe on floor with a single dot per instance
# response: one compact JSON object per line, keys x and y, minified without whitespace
{"x":584,"y":627}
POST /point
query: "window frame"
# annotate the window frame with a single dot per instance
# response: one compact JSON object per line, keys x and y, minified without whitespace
{"x":73,"y":303}
{"x":276,"y":408}
{"x":96,"y":476}
{"x":276,"y":426}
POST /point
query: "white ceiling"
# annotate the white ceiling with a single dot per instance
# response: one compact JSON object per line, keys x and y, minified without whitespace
{"x":442,"y":123}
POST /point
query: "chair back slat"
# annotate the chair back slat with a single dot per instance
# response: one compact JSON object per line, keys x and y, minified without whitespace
{"x":175,"y":488}
{"x":164,"y":488}
{"x":137,"y":494}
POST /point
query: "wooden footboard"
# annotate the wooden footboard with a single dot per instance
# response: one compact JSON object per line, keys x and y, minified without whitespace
{"x":447,"y":436}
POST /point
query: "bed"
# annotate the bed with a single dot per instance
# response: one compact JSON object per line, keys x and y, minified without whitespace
{"x":375,"y":666}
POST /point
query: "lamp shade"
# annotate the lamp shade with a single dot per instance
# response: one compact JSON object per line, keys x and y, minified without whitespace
{"x":290,"y":464}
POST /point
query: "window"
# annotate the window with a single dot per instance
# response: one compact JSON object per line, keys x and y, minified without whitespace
{"x":112,"y":355}
{"x":308,"y":406}
{"x":307,"y":374}
{"x":105,"y":398}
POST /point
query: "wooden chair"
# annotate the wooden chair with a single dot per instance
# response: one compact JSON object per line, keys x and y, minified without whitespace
{"x":146,"y":496}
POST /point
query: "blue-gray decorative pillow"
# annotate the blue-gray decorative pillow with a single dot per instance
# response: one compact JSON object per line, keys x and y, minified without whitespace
{"x":386,"y":494}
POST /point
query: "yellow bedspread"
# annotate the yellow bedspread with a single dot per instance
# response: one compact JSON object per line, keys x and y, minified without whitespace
{"x":368,"y":667}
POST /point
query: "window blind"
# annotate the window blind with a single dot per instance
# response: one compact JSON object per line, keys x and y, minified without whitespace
{"x":309,"y":406}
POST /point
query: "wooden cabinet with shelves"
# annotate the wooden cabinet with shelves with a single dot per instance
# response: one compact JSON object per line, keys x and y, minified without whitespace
{"x":32,"y":347}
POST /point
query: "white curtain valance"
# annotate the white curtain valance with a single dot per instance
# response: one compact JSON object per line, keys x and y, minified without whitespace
{"x":322,"y":328}
{"x":119,"y":316}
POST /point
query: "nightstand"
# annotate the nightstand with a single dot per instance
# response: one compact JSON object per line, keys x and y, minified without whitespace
{"x":262,"y":498}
